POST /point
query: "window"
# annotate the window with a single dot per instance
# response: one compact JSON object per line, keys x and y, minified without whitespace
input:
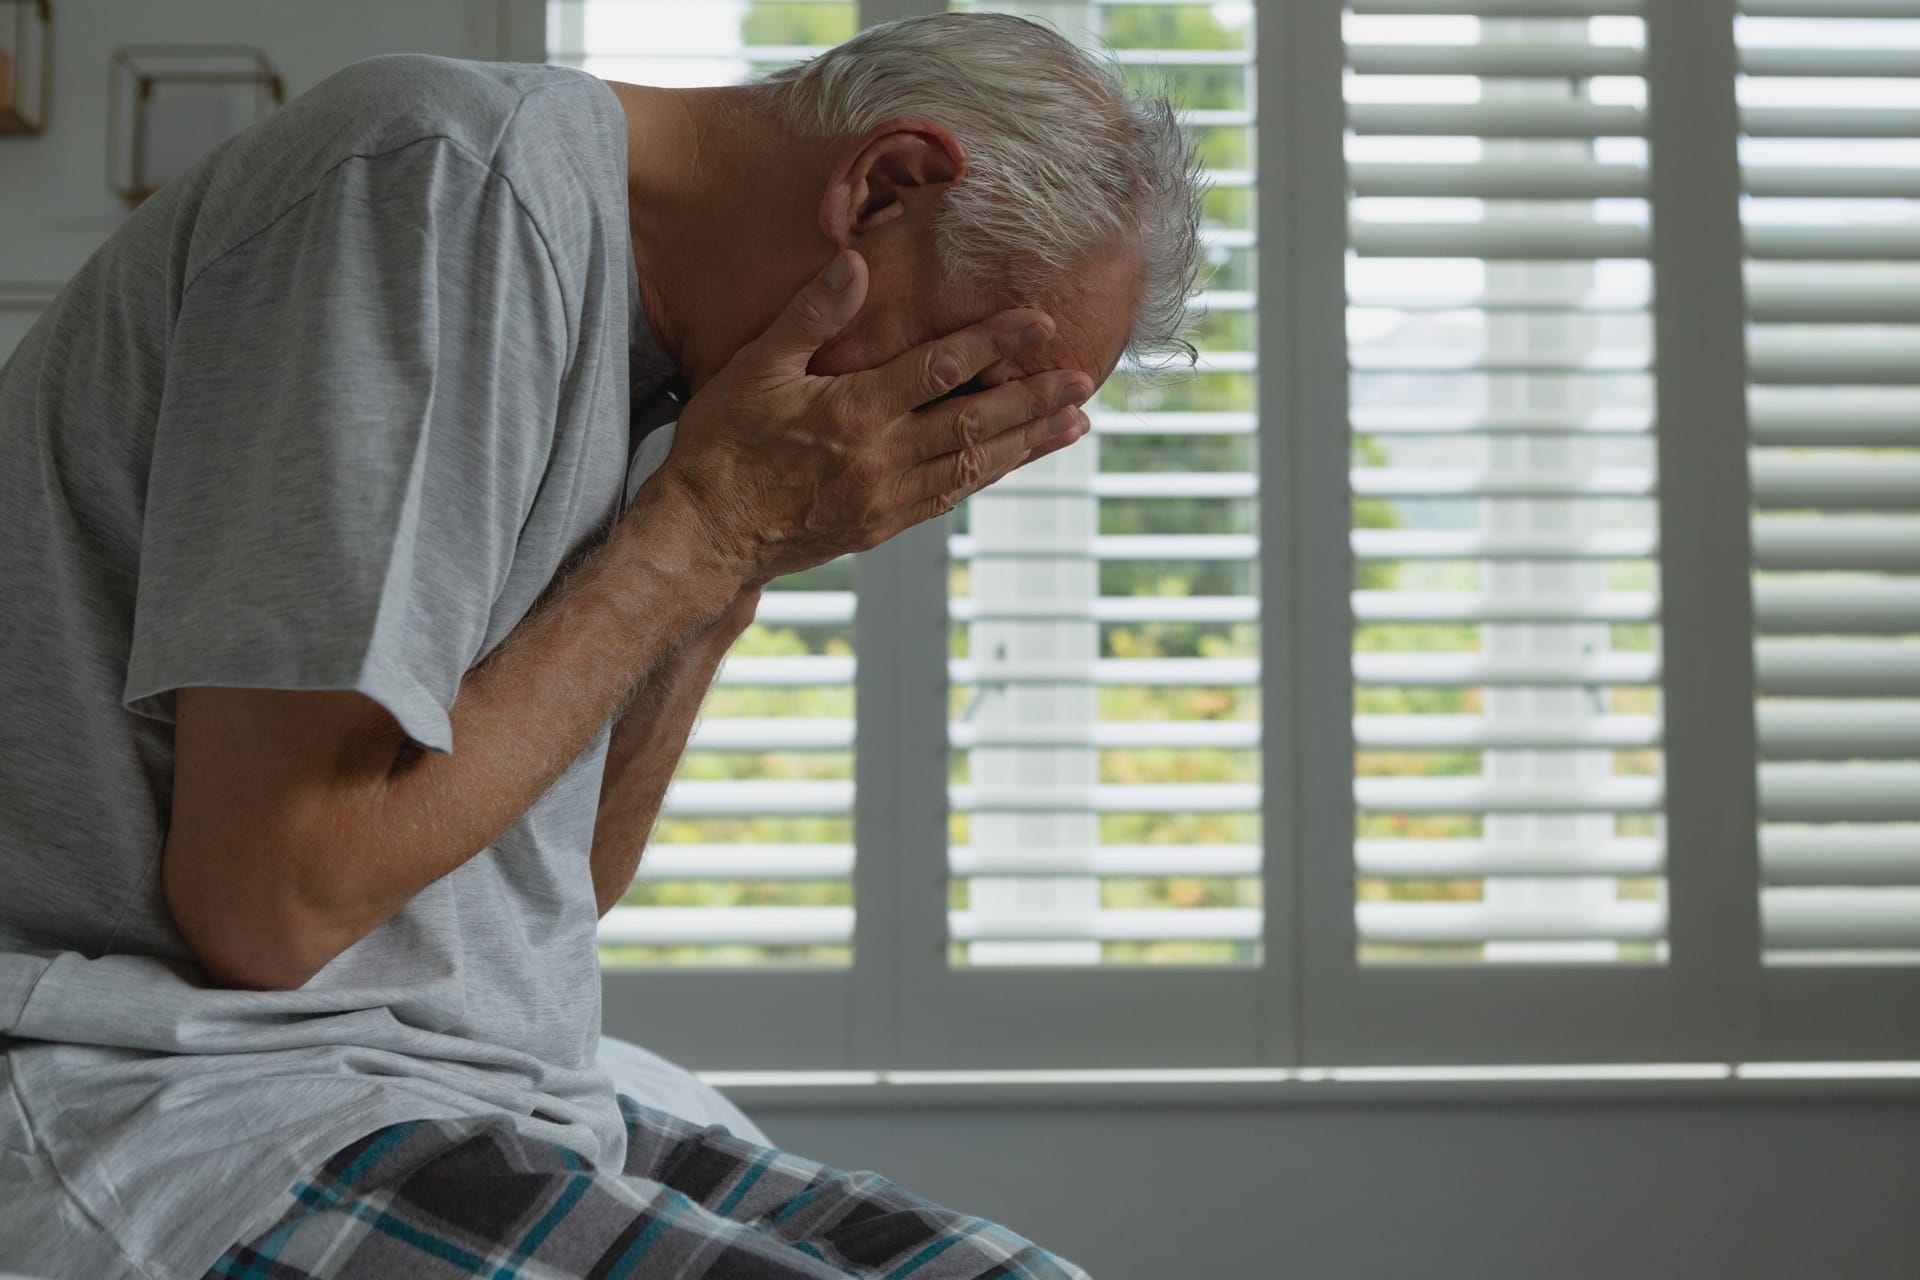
{"x":1506,"y":601}
{"x":1830,"y":125}
{"x":1832,"y":220}
{"x":1383,"y":692}
{"x":1105,"y":719}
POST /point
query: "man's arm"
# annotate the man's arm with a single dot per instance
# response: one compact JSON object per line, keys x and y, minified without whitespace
{"x":303,"y":820}
{"x":647,"y":742}
{"x":281,"y":855}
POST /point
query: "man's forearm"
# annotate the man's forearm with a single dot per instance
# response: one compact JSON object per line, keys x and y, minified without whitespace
{"x":645,"y":746}
{"x":524,"y":715}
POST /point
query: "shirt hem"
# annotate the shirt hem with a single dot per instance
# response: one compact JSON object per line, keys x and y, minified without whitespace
{"x":188,"y":1251}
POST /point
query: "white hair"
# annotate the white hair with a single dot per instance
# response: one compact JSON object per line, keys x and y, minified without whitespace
{"x":1063,"y":160}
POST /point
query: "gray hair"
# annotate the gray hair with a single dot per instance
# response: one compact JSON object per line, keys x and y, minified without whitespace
{"x":1063,"y":161}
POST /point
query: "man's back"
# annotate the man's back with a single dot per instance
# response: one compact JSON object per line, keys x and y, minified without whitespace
{"x":328,"y":413}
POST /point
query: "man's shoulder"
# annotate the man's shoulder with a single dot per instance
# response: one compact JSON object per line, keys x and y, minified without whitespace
{"x":556,"y":135}
{"x":399,"y":98}
{"x":533,"y":125}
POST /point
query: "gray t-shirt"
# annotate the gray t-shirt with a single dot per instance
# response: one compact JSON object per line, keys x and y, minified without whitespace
{"x":329,"y":412}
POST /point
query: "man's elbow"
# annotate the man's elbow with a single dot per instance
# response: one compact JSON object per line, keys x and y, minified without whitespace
{"x":242,"y":938}
{"x":242,"y":968}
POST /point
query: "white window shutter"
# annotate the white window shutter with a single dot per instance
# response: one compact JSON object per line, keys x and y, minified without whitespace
{"x":1103,"y":867}
{"x":1509,"y":859}
{"x":1830,"y":116}
{"x":1507,"y":609}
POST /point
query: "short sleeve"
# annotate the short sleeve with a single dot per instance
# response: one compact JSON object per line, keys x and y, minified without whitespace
{"x":358,"y":411}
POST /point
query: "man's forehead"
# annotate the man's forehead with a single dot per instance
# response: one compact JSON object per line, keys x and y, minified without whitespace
{"x":1092,"y":311}
{"x":1074,"y":347}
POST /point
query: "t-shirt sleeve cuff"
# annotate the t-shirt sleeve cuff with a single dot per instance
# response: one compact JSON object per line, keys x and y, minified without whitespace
{"x":413,"y":706}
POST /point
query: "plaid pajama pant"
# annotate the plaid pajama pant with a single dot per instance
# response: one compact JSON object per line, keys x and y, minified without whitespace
{"x":436,"y":1200}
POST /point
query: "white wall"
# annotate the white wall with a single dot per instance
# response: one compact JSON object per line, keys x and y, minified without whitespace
{"x":55,"y":206}
{"x":1794,"y":1190}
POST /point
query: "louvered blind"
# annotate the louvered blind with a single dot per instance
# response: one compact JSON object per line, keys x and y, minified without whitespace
{"x":1506,"y":595}
{"x":752,"y":860}
{"x":1105,"y":626}
{"x":1830,"y":162}
{"x":1441,"y":536}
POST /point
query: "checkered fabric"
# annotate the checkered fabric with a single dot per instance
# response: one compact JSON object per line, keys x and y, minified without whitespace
{"x":441,"y":1199}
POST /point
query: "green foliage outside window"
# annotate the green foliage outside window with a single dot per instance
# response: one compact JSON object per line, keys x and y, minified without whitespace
{"x":799,"y":24}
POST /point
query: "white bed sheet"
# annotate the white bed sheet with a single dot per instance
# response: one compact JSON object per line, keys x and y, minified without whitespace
{"x":648,"y":1078}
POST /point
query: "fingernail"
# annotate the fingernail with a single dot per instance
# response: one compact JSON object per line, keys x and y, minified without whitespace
{"x":1033,"y":335}
{"x":837,"y":274}
{"x":1072,"y":393}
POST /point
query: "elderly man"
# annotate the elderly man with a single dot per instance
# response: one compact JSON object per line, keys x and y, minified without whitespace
{"x":358,"y":619}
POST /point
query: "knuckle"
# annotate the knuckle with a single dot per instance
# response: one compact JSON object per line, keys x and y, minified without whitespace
{"x":970,"y":466}
{"x":944,"y":371}
{"x":968,"y":425}
{"x":845,"y":418}
{"x":808,"y":308}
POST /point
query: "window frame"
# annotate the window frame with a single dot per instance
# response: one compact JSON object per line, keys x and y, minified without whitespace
{"x":1312,"y":1003}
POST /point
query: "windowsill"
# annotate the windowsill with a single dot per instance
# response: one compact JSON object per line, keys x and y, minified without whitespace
{"x":1083,"y":1090}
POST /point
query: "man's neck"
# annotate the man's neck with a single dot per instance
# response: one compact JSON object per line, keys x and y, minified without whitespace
{"x":710,"y":183}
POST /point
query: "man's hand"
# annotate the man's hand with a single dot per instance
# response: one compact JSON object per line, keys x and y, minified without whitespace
{"x":787,"y":470}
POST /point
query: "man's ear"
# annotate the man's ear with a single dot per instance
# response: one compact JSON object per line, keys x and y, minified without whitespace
{"x":870,"y":181}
